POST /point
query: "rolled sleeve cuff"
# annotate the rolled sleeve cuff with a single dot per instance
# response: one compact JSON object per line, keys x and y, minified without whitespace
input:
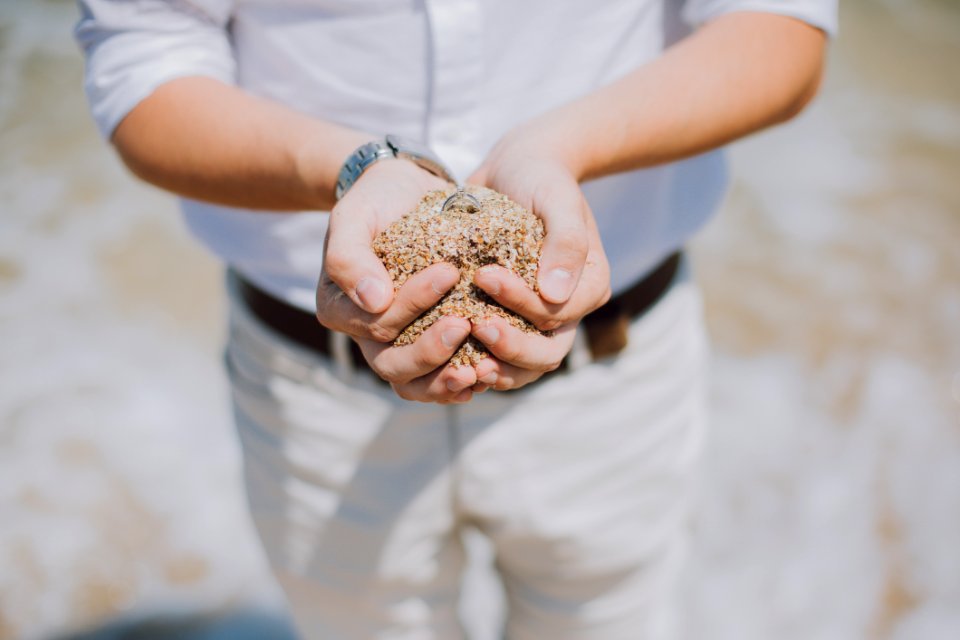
{"x":126,"y":66}
{"x":821,"y":14}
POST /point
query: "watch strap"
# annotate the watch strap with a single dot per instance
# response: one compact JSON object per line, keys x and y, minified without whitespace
{"x":391,"y":147}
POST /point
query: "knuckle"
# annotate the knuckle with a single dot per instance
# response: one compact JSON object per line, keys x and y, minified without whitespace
{"x":380,"y":333}
{"x":414,"y":305}
{"x":532,"y":379}
{"x":550,"y":324}
{"x":404,"y":392}
{"x":357,"y":328}
{"x":527,"y":305}
{"x":385,"y":371}
{"x":552,"y":365}
{"x":436,"y":356}
{"x":381,"y":372}
{"x":412,"y":299}
{"x":441,"y":398}
{"x":509,"y":352}
{"x":525,"y":377}
{"x":425,"y":360}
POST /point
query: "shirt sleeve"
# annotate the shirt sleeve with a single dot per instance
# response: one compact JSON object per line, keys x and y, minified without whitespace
{"x":819,"y":13}
{"x":131,"y":48}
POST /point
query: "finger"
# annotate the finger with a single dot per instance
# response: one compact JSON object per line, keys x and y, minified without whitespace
{"x":522,"y":349}
{"x":486,"y":376}
{"x":349,"y":260}
{"x":448,"y":385}
{"x":510,"y":290}
{"x":429,"y":351}
{"x":565,"y":243}
{"x":337,"y":311}
{"x":498,"y":375}
{"x":420,"y":292}
{"x":480,"y":176}
{"x":463,"y":397}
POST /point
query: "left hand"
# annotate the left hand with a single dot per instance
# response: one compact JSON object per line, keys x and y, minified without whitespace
{"x":355,"y":294}
{"x":573,"y":278}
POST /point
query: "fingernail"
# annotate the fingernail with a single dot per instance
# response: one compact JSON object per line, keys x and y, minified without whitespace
{"x":488,"y":334}
{"x":557,"y":284}
{"x":453,"y":336}
{"x":490,"y":378}
{"x":372,"y":293}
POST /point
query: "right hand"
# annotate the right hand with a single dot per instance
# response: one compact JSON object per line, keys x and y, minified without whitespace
{"x":355,"y":293}
{"x":573,"y":275}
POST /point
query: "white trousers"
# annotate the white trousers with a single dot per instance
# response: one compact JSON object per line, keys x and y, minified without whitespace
{"x":581,"y":482}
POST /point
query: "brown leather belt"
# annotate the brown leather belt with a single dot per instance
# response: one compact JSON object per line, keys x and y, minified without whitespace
{"x":606,"y":328}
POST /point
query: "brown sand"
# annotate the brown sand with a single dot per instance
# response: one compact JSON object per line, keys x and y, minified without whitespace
{"x":500,"y":232}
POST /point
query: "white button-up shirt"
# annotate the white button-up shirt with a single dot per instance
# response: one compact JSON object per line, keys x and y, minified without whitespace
{"x":455,"y":74}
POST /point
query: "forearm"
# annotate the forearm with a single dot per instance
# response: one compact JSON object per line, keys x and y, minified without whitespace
{"x":736,"y":75}
{"x":207,"y":140}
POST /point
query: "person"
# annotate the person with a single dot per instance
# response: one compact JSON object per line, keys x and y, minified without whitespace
{"x":574,"y":453}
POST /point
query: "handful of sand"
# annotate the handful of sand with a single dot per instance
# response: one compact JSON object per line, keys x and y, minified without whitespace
{"x":498,"y":232}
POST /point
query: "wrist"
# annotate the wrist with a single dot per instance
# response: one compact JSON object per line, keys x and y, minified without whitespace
{"x":556,"y":138}
{"x":390,"y":147}
{"x":400,"y":170}
{"x":318,"y":157}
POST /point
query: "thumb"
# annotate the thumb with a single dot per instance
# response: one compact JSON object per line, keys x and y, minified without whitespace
{"x":350,"y":262}
{"x":565,"y":243}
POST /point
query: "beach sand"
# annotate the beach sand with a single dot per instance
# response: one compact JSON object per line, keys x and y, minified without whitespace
{"x":830,"y":506}
{"x":470,"y":231}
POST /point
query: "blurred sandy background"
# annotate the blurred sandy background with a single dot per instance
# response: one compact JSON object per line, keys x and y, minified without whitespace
{"x":831,"y":503}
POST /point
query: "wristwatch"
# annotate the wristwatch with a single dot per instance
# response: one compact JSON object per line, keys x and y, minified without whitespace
{"x":390,"y":147}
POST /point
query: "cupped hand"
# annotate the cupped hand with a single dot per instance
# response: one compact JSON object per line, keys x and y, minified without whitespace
{"x":355,"y":293}
{"x":573,"y":278}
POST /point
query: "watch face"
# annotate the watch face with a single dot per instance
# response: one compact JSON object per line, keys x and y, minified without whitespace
{"x":357,"y":163}
{"x":391,"y":147}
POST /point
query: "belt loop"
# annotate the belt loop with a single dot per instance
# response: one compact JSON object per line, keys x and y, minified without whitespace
{"x":340,"y":350}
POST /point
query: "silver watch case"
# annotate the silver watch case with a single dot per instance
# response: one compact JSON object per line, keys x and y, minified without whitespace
{"x":390,"y":147}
